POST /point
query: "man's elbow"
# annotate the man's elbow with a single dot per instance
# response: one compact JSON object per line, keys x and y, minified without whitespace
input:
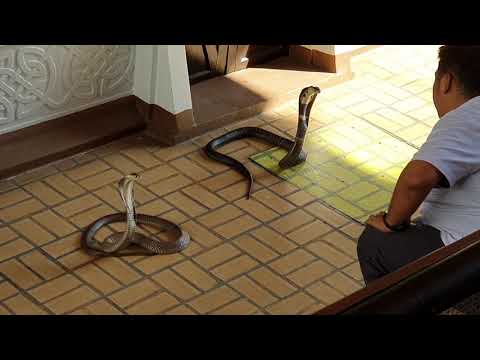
{"x":421,"y":175}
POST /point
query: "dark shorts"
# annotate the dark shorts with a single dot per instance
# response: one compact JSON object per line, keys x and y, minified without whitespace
{"x":382,"y":253}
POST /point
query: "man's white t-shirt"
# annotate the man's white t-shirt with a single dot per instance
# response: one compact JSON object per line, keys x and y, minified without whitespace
{"x":453,"y":147}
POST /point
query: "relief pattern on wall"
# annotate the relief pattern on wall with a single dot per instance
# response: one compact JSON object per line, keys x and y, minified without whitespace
{"x":41,"y":82}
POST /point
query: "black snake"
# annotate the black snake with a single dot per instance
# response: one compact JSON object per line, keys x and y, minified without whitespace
{"x":295,"y":155}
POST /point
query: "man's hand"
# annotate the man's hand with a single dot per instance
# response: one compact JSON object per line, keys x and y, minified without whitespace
{"x":376,"y":221}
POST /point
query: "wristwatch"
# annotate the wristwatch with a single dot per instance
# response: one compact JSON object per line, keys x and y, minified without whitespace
{"x":395,"y":228}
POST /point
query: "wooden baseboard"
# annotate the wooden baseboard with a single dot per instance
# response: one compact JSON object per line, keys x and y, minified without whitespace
{"x":52,"y":140}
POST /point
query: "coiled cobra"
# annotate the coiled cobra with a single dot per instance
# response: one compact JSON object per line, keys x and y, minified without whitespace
{"x":295,"y":154}
{"x":118,"y":244}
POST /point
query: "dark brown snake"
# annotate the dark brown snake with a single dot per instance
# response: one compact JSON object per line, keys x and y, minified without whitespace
{"x":120,"y":244}
{"x":295,"y":154}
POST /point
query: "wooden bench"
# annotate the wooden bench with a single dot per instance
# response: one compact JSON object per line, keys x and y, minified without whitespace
{"x":428,"y":285}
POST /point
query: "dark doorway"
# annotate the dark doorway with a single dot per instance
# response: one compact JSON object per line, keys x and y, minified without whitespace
{"x":207,"y":61}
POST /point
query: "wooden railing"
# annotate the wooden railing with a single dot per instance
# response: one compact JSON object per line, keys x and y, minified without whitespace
{"x":430,"y":284}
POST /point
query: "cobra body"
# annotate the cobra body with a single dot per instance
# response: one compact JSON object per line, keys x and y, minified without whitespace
{"x":295,"y":154}
{"x":118,"y":244}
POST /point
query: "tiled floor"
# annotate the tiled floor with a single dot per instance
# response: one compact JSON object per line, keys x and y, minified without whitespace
{"x":282,"y":252}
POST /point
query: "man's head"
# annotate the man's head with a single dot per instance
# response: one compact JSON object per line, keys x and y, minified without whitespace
{"x":457,"y":79}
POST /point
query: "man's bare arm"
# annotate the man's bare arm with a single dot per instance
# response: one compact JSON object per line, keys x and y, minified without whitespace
{"x":413,"y":186}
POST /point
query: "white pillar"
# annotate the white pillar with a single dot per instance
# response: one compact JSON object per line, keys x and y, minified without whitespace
{"x":161,"y":77}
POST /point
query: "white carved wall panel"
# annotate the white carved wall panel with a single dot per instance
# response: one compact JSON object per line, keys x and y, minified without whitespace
{"x":43,"y":82}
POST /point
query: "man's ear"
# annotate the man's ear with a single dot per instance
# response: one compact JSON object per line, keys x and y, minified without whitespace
{"x":446,"y":83}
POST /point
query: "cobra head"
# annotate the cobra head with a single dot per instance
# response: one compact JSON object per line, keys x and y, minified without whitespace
{"x":308,"y":95}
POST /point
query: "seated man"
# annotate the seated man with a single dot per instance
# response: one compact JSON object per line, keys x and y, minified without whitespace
{"x":443,"y":176}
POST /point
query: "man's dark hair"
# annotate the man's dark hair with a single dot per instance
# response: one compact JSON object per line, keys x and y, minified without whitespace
{"x":464,"y":63}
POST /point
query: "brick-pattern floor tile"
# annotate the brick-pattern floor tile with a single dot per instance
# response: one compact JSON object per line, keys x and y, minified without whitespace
{"x":190,"y":169}
{"x":157,"y":174}
{"x":291,"y":221}
{"x":256,"y":209}
{"x":217,"y":255}
{"x":122,"y":164}
{"x":54,"y":223}
{"x":6,"y":234}
{"x":236,"y":191}
{"x":255,"y":248}
{"x":169,"y":185}
{"x":222,"y":180}
{"x":19,"y":274}
{"x":154,"y":208}
{"x":101,"y":307}
{"x":237,"y":226}
{"x":341,"y":242}
{"x":33,"y":232}
{"x":142,"y":157}
{"x":325,"y":214}
{"x":214,"y":167}
{"x":119,"y":270}
{"x":153,"y":305}
{"x":44,"y":193}
{"x":83,"y":171}
{"x":21,"y":305}
{"x":273,"y":239}
{"x":194,"y":274}
{"x":7,"y":290}
{"x":65,"y":186}
{"x":170,"y":153}
{"x":220,"y":216}
{"x":342,"y":283}
{"x":213,"y":299}
{"x":301,"y":198}
{"x":180,"y":310}
{"x":329,"y":254}
{"x":272,"y":282}
{"x":200,"y":234}
{"x":155,"y":263}
{"x":310,"y":273}
{"x":309,"y":232}
{"x":234,"y":267}
{"x":71,"y":300}
{"x":13,"y":197}
{"x":20,"y":210}
{"x":253,"y":291}
{"x":203,"y":196}
{"x":77,"y":206}
{"x":63,"y":246}
{"x":324,"y":292}
{"x":42,"y":265}
{"x":86,"y":218}
{"x":354,"y":271}
{"x":291,"y":305}
{"x":134,"y":293}
{"x":35,"y":175}
{"x":75,"y":259}
{"x":55,"y":288}
{"x":239,"y":307}
{"x":13,"y":249}
{"x":288,"y":263}
{"x":188,"y":205}
{"x":176,"y":285}
{"x":98,"y":278}
{"x":273,"y":201}
{"x":353,"y":229}
{"x":97,"y":181}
